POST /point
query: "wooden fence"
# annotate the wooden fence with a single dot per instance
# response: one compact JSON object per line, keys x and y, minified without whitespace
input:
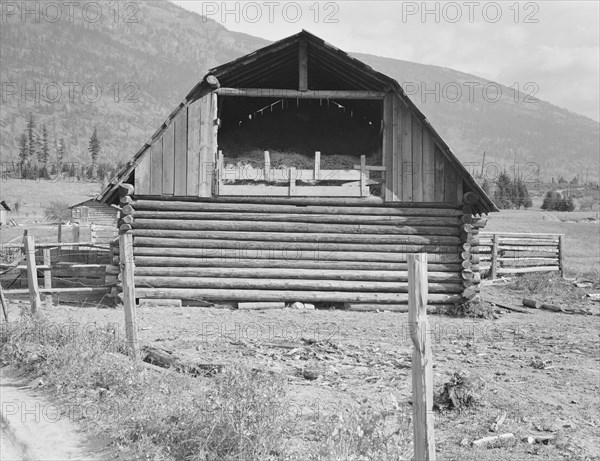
{"x":517,"y":253}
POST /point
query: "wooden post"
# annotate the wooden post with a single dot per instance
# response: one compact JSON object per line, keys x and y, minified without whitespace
{"x":219,"y":172}
{"x":422,"y":359}
{"x":3,"y":302}
{"x":60,"y":233}
{"x":267,"y":165}
{"x":292,"y":173}
{"x":32,"y":281}
{"x":494,"y":262}
{"x":363,"y":176}
{"x":126,"y":262}
{"x":561,"y":256}
{"x":317,"y":172}
{"x":75,"y":236}
{"x":47,"y":276}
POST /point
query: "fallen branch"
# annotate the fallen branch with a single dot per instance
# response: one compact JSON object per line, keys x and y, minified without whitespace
{"x":512,"y":308}
{"x":493,"y":440}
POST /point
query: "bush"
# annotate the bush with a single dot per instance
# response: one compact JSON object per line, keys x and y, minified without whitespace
{"x":57,"y":211}
{"x":554,"y":201}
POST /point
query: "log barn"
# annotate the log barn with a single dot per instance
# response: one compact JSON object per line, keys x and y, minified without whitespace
{"x":298,"y":173}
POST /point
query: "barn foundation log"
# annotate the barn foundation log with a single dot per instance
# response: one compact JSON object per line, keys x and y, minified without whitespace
{"x":469,"y":236}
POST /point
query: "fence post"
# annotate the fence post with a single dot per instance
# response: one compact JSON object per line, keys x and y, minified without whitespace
{"x":561,"y":256}
{"x":422,"y":359}
{"x":32,"y":281}
{"x":126,"y":262}
{"x":494,"y":262}
{"x":47,"y":275}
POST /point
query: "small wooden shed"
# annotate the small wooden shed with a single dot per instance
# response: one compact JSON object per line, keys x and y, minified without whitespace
{"x":218,"y":212}
{"x":93,"y":212}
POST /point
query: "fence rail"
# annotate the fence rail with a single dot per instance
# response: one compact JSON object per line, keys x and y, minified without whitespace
{"x":517,"y":253}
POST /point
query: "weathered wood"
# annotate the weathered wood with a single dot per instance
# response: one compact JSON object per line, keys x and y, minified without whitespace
{"x":170,"y":261}
{"x":439,"y":190}
{"x":295,"y":94}
{"x":345,"y":190}
{"x":422,"y":359}
{"x":125,"y":227}
{"x":32,"y":281}
{"x":267,"y":167}
{"x":142,"y":175}
{"x":4,"y":304}
{"x":406,"y":155}
{"x":129,"y":293}
{"x":291,"y":227}
{"x":128,"y":219}
{"x":168,"y":160}
{"x":561,"y":256}
{"x":288,"y":284}
{"x":292,"y":254}
{"x":287,"y":295}
{"x":494,"y":263}
{"x":180,"y":152}
{"x":292,"y":178}
{"x":391,"y":175}
{"x":158,"y":303}
{"x":127,"y":200}
{"x":333,"y":238}
{"x":156,"y":167}
{"x":317,"y":168}
{"x":428,"y":170}
{"x":526,"y":270}
{"x":126,"y":189}
{"x":194,"y":172}
{"x":469,"y":293}
{"x":281,"y":217}
{"x":417,"y":159}
{"x":61,"y":290}
{"x":297,"y":206}
{"x":532,"y":303}
{"x":292,"y":273}
{"x":208,"y":157}
{"x":470,"y":198}
{"x":213,"y":81}
{"x":512,"y":308}
{"x":260,"y":306}
{"x":302,"y":67}
{"x":361,"y":307}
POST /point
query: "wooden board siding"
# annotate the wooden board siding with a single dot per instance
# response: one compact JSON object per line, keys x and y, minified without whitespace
{"x":417,"y":160}
{"x":428,"y":170}
{"x":94,"y":213}
{"x":406,"y":156}
{"x":181,"y":148}
{"x":181,"y":161}
{"x":233,"y":252}
{"x":388,"y":147}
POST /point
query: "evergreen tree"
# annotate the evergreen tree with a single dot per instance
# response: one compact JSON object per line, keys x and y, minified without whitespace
{"x":30,"y":129}
{"x":60,"y":151}
{"x":45,"y":150}
{"x":23,"y":150}
{"x":94,"y":147}
{"x":504,"y":192}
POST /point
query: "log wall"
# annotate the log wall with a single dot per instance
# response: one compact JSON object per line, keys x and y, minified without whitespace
{"x":350,"y":252}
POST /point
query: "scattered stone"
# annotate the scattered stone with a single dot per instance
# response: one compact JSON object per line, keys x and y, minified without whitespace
{"x":309,"y":306}
{"x":297,"y":305}
{"x":493,"y":441}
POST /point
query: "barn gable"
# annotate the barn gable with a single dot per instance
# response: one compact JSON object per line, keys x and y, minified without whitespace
{"x":181,"y":157}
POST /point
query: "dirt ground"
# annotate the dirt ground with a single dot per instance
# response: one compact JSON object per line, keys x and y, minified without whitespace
{"x":542,"y":368}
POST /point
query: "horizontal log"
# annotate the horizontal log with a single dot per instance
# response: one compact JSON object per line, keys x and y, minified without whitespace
{"x":288,"y":227}
{"x":466,"y":218}
{"x":249,"y":245}
{"x":539,"y":249}
{"x":295,"y":94}
{"x":301,"y":237}
{"x":295,"y":218}
{"x":127,"y":219}
{"x":260,"y":306}
{"x":153,"y":261}
{"x":532,"y":303}
{"x":370,"y":307}
{"x":290,"y":254}
{"x":126,"y":200}
{"x":296,"y":206}
{"x":522,"y":234}
{"x":288,"y":284}
{"x":288,"y":295}
{"x":112,"y":269}
{"x":524,"y":270}
{"x":61,"y":290}
{"x":291,"y":273}
{"x":479,"y":223}
{"x":530,"y":258}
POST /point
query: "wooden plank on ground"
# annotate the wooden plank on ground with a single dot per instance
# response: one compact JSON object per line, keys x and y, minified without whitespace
{"x":181,"y":122}
{"x":168,"y":161}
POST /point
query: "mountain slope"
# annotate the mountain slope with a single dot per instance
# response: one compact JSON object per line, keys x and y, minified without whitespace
{"x":144,"y":69}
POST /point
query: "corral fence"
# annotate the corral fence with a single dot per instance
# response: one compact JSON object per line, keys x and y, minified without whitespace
{"x":518,"y":253}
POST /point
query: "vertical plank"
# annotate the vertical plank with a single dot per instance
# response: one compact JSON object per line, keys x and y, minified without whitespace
{"x":364,"y":189}
{"x":417,"y":159}
{"x":494,"y":261}
{"x":127,"y":268}
{"x":439,"y":175}
{"x":302,"y":67}
{"x":422,"y":359}
{"x":459,"y":189}
{"x":317,"y":172}
{"x":142,"y":174}
{"x":561,"y":255}
{"x":450,"y":182}
{"x":156,"y":161}
{"x":397,"y":167}
{"x":32,"y":281}
{"x":407,"y":147}
{"x":193,"y":150}
{"x":47,"y":276}
{"x":428,"y":169}
{"x":267,"y":170}
{"x":207,"y":160}
{"x":387,"y":146}
{"x":4,"y":305}
{"x":219,"y":172}
{"x":168,"y":161}
{"x":181,"y":123}
{"x":214,"y":126}
{"x":292,"y":187}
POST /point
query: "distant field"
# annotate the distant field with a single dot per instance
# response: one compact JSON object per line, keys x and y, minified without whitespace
{"x":582,"y":239}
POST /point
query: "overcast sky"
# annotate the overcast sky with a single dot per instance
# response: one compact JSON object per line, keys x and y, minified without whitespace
{"x":555,"y":44}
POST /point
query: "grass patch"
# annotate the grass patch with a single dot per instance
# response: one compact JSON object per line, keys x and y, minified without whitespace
{"x":548,"y":288}
{"x":471,"y":309}
{"x":240,"y":414}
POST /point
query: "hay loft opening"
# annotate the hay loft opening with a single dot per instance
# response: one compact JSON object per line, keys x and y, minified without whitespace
{"x":318,"y":143}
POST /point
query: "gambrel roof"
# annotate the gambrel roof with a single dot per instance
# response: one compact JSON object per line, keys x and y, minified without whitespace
{"x":276,"y":66}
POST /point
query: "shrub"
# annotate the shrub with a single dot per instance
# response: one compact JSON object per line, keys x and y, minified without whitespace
{"x":554,"y":201}
{"x":57,"y":211}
